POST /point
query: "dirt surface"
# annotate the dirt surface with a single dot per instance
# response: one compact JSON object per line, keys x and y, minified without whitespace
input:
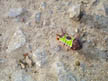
{"x":29,"y":50}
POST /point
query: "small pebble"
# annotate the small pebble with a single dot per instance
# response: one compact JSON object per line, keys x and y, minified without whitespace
{"x":38,"y":17}
{"x":74,"y":12}
{"x":14,"y":12}
{"x":77,"y":30}
{"x":67,"y":77}
{"x":22,"y":66}
{"x":77,"y":63}
{"x":18,"y":40}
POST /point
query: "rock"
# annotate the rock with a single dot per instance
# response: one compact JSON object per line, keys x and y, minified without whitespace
{"x":74,"y":12}
{"x":83,"y":80}
{"x":60,"y":68}
{"x":100,"y":9}
{"x":94,"y":2}
{"x":103,"y":56}
{"x":38,"y":17}
{"x":63,"y":74}
{"x":83,"y":67}
{"x":57,"y":48}
{"x":18,"y":40}
{"x":40,"y":57}
{"x":0,"y":34}
{"x":29,"y":61}
{"x":14,"y":12}
{"x":43,"y":4}
{"x":50,"y":12}
{"x":67,"y":77}
{"x":77,"y":30}
{"x":2,"y":60}
{"x":77,"y":63}
{"x":26,"y":62}
{"x":21,"y":76}
{"x":106,"y":41}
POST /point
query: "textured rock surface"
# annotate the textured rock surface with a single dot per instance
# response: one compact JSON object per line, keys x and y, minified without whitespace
{"x":16,"y":12}
{"x":20,"y":76}
{"x":31,"y":53}
{"x":18,"y":40}
{"x":40,"y":57}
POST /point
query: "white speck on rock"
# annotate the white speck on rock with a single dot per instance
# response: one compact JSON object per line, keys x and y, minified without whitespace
{"x":17,"y":41}
{"x":14,"y":12}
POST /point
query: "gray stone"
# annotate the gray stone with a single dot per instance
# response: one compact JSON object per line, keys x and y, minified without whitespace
{"x":2,"y":60}
{"x":43,"y":4}
{"x":3,"y":77}
{"x":38,"y":17}
{"x":63,"y":74}
{"x":99,"y":9}
{"x":58,"y":48}
{"x":83,"y":67}
{"x":21,"y":76}
{"x":60,"y":68}
{"x":106,"y":7}
{"x":74,"y":11}
{"x":40,"y":57}
{"x":103,"y":56}
{"x":67,"y":77}
{"x":18,"y":40}
{"x":50,"y":12}
{"x":14,"y":12}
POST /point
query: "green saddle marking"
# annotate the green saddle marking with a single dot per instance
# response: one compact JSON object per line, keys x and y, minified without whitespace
{"x":66,"y":41}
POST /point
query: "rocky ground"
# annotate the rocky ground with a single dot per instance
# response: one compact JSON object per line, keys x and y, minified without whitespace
{"x":29,"y":50}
